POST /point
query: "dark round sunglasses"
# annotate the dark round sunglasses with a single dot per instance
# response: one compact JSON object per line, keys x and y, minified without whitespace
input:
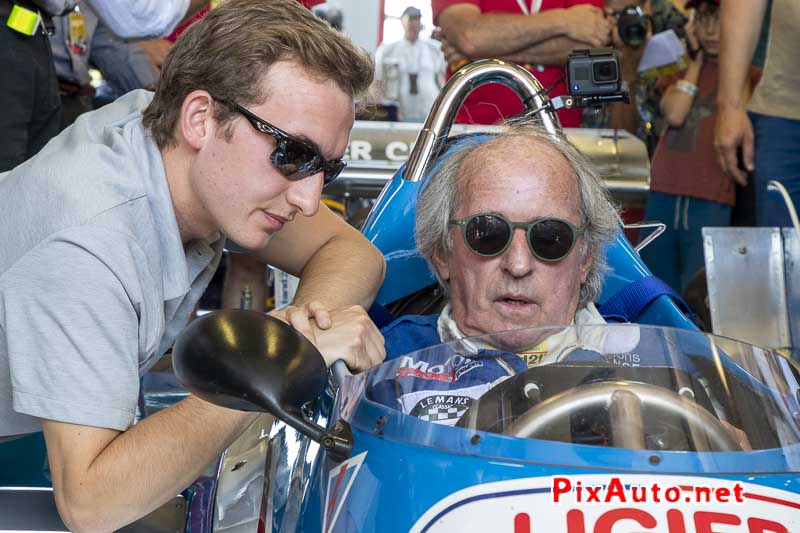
{"x":294,"y":158}
{"x":490,"y":234}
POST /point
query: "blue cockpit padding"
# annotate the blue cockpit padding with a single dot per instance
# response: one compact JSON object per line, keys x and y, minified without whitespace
{"x":390,"y":227}
{"x":381,"y":316}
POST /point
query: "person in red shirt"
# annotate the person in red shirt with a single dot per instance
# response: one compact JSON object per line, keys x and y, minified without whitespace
{"x":538,"y":34}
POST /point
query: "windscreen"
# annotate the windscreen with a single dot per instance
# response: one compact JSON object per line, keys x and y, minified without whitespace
{"x":618,"y":386}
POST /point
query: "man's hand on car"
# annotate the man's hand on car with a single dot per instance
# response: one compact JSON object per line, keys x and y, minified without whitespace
{"x":351,"y":337}
{"x":346,"y":333}
{"x":300,"y":316}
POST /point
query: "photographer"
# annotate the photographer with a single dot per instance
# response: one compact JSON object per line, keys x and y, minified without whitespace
{"x":630,"y":46}
{"x":635,"y":21}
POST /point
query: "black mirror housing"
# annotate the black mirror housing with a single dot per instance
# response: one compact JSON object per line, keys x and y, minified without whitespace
{"x":250,"y":361}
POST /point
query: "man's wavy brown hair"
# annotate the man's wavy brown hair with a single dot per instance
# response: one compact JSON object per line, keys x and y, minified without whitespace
{"x":231,"y":48}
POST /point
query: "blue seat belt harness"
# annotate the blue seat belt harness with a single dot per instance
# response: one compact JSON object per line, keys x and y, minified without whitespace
{"x":627,"y":304}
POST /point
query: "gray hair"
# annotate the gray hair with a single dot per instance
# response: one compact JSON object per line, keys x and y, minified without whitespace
{"x":441,"y":198}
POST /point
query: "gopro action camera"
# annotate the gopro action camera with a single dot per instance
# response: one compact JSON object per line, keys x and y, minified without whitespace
{"x":593,"y":72}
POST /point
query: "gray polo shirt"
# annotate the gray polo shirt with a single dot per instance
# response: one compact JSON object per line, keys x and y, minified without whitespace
{"x":95,"y":283}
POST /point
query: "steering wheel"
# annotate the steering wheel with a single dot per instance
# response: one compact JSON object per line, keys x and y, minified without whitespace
{"x":625,"y":401}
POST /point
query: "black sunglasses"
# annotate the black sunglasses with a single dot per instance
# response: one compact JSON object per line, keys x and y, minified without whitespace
{"x":490,"y":234}
{"x":294,"y":158}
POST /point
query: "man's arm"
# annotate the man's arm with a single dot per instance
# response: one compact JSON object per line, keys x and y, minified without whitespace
{"x":488,"y":35}
{"x":104,"y":479}
{"x":125,"y":66}
{"x":137,"y":19}
{"x":340,"y":273}
{"x":83,"y":372}
{"x":337,"y":266}
{"x":550,"y":52}
{"x":739,"y":25}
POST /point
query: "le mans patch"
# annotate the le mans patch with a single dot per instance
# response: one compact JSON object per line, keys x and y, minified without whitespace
{"x":440,"y":407}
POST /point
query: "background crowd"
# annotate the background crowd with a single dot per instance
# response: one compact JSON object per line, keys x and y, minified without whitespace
{"x":718,"y":121}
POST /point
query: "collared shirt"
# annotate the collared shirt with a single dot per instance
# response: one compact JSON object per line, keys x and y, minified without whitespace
{"x":131,"y":19}
{"x":95,"y":282}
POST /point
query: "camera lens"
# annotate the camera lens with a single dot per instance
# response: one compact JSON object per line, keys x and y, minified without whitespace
{"x":633,"y":36}
{"x":604,"y":71}
{"x":632,"y":25}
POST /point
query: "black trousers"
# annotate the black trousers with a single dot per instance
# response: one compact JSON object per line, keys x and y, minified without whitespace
{"x":30,"y":107}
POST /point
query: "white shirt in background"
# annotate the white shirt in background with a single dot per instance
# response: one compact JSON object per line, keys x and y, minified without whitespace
{"x":399,"y":64}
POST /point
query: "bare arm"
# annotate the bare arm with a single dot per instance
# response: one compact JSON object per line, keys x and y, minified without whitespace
{"x":676,"y":104}
{"x":550,"y":52}
{"x":136,"y":19}
{"x":740,"y":25}
{"x":134,"y":472}
{"x":339,"y":271}
{"x":489,"y":35}
{"x":336,"y":264}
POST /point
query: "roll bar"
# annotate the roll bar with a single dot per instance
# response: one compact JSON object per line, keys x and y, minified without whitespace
{"x":437,"y":126}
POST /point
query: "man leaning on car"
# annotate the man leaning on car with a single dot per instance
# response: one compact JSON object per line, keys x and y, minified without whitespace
{"x":111,"y":234}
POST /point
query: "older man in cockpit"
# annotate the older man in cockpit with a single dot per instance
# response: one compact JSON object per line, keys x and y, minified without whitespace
{"x":514,"y":229}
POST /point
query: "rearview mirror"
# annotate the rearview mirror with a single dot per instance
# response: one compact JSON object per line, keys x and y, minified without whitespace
{"x":250,"y":361}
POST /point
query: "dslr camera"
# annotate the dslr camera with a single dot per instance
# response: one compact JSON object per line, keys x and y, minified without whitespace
{"x":592,"y":73}
{"x":632,"y":25}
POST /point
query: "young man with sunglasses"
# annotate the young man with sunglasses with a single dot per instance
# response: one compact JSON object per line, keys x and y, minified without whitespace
{"x":514,"y":229}
{"x":113,"y":231}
